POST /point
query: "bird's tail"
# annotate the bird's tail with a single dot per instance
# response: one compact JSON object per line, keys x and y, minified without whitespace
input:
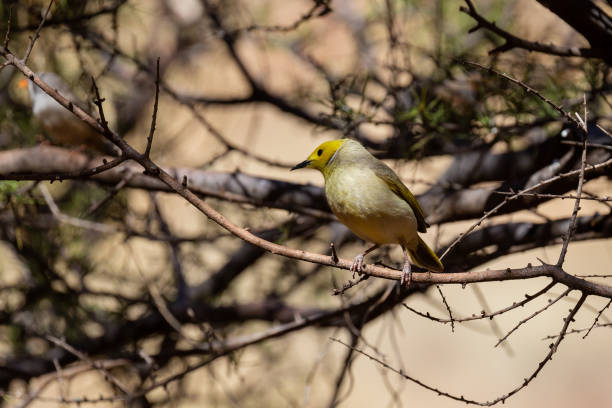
{"x":424,"y":257}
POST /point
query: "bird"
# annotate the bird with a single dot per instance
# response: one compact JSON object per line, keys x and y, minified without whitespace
{"x":61,"y":125}
{"x":370,"y":199}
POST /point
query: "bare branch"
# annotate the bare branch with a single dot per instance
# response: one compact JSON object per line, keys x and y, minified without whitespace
{"x":448,"y":309}
{"x":24,"y":60}
{"x":319,"y":8}
{"x":561,"y":196}
{"x":572,"y":225}
{"x":483,"y":314}
{"x":495,"y":209}
{"x":531,"y":316}
{"x":597,"y":318}
{"x":83,"y":357}
{"x":77,"y":222}
{"x":154,"y":117}
{"x":461,"y":398}
{"x":527,"y":88}
{"x":7,"y":36}
{"x":512,"y":41}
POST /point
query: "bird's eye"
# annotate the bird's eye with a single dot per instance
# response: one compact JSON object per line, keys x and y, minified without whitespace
{"x":319,"y":152}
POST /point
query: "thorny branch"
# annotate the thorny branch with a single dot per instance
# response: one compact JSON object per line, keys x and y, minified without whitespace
{"x":35,"y":36}
{"x":483,"y":314}
{"x":459,"y":278}
{"x":195,"y":185}
{"x":511,"y":41}
{"x":553,"y":348}
{"x":534,"y":314}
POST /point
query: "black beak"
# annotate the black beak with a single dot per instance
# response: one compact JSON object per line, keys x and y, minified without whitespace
{"x":301,"y":165}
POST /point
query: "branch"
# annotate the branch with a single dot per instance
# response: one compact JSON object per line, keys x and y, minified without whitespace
{"x":62,"y":20}
{"x":154,"y":116}
{"x":527,"y":89}
{"x":503,"y":398}
{"x":531,"y":316}
{"x":36,"y":34}
{"x":572,"y":225}
{"x":595,"y":322}
{"x":483,"y":314}
{"x":511,"y":237}
{"x":511,"y":41}
{"x":319,"y":8}
{"x":377,"y":271}
{"x":588,"y":19}
{"x":555,"y":272}
{"x":52,"y":163}
{"x":496,"y":209}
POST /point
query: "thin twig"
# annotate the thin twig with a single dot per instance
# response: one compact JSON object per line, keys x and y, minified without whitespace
{"x":98,"y":101}
{"x":147,"y":152}
{"x":604,"y":130}
{"x":406,"y":376}
{"x":7,"y":36}
{"x":84,"y":357}
{"x":553,"y":348}
{"x":578,"y":121}
{"x":597,"y":318}
{"x":320,"y":8}
{"x":512,"y":41}
{"x":60,"y":378}
{"x":350,"y":284}
{"x":448,"y":309}
{"x":24,"y":60}
{"x":497,"y":332}
{"x":113,"y":192}
{"x":526,"y":87}
{"x":531,"y":316}
{"x":76,"y":222}
{"x":231,"y":345}
{"x":577,"y":331}
{"x":593,"y":145}
{"x":518,"y":195}
{"x":59,"y":176}
{"x":334,"y":254}
{"x":572,"y":224}
{"x":68,"y":372}
{"x":561,"y":196}
{"x":483,"y":314}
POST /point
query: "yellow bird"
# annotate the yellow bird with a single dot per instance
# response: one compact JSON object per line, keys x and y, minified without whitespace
{"x":371,"y":200}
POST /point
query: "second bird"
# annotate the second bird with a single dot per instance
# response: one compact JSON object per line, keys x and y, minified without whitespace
{"x":371,"y":200}
{"x":61,"y":125}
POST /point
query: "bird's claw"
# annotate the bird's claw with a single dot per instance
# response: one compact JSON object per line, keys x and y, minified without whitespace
{"x":406,"y":274}
{"x":406,"y":278}
{"x":357,"y":265}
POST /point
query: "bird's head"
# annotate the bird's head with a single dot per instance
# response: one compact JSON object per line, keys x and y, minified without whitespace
{"x":25,"y":84}
{"x":40,"y":97}
{"x":322,"y":156}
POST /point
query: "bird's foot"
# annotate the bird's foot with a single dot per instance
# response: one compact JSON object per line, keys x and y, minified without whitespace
{"x":406,"y":274}
{"x":357,"y":265}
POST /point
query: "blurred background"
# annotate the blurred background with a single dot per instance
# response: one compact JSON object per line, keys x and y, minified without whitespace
{"x":116,"y":292}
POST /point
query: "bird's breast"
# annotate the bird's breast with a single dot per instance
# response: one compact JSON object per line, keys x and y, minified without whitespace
{"x":364,"y":203}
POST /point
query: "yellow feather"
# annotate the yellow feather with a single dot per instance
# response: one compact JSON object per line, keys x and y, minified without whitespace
{"x":369,"y":198}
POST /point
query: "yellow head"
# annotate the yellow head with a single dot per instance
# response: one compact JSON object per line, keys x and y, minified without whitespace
{"x":321,"y":156}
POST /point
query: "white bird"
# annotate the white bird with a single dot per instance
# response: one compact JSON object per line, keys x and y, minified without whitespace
{"x":61,"y":125}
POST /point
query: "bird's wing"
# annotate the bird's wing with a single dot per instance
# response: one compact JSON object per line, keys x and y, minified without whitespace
{"x":56,"y":82}
{"x":396,"y":185}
